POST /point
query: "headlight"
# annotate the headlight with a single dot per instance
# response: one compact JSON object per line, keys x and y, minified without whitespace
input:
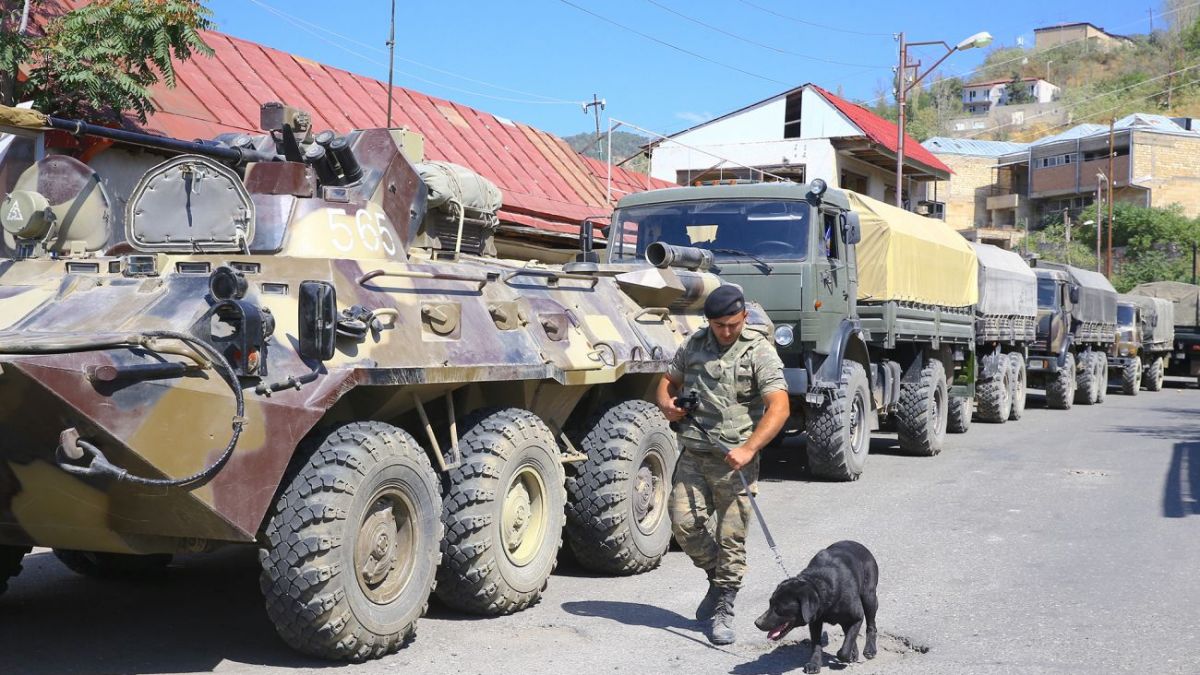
{"x":1124,"y":351}
{"x":784,"y":335}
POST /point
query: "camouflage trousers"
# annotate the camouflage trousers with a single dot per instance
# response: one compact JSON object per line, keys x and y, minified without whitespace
{"x":710,"y":514}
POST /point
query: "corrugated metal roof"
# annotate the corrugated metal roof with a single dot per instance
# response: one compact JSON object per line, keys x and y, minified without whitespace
{"x":546,"y":184}
{"x":1160,"y":124}
{"x":882,"y":131}
{"x":942,"y":145}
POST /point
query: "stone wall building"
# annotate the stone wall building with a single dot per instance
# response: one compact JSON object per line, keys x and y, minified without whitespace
{"x":968,"y":198}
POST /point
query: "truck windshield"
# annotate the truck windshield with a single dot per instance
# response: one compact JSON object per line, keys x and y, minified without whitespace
{"x":1047,"y":293}
{"x":731,"y":229}
{"x":1124,"y":315}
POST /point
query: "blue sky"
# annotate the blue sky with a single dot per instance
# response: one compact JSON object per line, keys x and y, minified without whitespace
{"x":535,"y":60}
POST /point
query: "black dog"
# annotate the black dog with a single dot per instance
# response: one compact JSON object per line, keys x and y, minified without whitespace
{"x":837,"y":587}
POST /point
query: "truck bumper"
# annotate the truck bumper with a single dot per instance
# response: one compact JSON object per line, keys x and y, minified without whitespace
{"x":1042,"y":364}
{"x":1183,"y":364}
{"x":1119,"y":362}
{"x":797,"y":381}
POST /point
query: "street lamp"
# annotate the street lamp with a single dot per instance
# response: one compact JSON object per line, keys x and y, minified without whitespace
{"x":981,"y":39}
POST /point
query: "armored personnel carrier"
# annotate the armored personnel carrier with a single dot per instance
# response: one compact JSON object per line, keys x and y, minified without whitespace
{"x":277,"y":340}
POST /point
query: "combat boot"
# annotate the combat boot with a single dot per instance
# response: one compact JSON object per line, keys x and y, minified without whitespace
{"x":720,"y":632}
{"x":708,"y":605}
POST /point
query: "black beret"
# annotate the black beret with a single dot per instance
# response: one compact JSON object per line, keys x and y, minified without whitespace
{"x":724,"y":301}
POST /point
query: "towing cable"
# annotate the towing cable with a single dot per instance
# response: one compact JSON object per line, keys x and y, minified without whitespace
{"x":72,"y":449}
{"x":688,"y":404}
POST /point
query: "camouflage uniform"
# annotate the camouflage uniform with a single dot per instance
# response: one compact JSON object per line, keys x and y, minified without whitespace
{"x":710,"y":511}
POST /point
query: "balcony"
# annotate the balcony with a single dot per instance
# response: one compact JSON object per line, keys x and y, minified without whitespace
{"x":997,"y":202}
{"x":1075,"y":178}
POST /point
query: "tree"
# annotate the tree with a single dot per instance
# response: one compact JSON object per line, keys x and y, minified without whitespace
{"x":1015,"y":92}
{"x":100,"y":60}
{"x":1050,"y":243}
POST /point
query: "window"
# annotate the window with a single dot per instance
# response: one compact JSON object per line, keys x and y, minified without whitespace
{"x":1056,"y":160}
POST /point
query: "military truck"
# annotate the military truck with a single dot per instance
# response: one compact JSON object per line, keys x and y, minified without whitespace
{"x":871,"y":304}
{"x":1184,"y":359}
{"x":1145,"y":333}
{"x":1077,"y":322}
{"x":1005,"y":326}
{"x":278,"y":341}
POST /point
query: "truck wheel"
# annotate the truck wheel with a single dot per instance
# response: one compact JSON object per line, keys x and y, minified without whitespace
{"x":1086,"y":386}
{"x":617,"y":503}
{"x":1060,"y":390}
{"x":838,"y":433}
{"x":1152,"y":378}
{"x":995,"y":395}
{"x":1131,"y":377}
{"x":503,"y":514}
{"x":1018,"y":376}
{"x":352,"y":545}
{"x":100,"y":565}
{"x":958,"y":419}
{"x":10,"y":563}
{"x":921,"y":418}
{"x":1101,"y":362}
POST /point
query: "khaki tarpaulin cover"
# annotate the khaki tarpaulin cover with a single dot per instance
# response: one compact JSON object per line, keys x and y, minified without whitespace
{"x":1185,"y":296}
{"x":911,"y":258}
{"x":21,"y":118}
{"x":1160,"y":330}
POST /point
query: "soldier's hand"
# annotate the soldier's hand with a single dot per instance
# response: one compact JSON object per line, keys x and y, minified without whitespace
{"x":739,"y":457}
{"x":669,"y":410}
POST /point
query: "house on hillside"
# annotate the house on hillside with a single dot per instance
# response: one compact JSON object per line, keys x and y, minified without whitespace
{"x":799,"y":135}
{"x":980,"y":97}
{"x":1081,"y":32}
{"x":548,"y":188}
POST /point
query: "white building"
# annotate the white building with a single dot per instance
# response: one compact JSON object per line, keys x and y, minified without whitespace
{"x":799,"y":135}
{"x":979,"y":97}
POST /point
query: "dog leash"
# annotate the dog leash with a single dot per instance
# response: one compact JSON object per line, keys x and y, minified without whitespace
{"x":762,"y":522}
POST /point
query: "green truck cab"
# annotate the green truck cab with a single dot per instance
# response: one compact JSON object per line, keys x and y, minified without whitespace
{"x":1145,"y":331}
{"x":852,"y":360}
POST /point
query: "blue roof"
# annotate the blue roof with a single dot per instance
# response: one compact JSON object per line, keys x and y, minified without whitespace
{"x":1138,"y":121}
{"x":943,"y":145}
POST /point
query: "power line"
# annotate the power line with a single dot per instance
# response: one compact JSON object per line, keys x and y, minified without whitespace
{"x":313,"y":30}
{"x":747,"y":40}
{"x":673,"y":46}
{"x":812,"y":23}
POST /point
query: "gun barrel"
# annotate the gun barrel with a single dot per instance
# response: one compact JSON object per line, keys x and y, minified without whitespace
{"x":221,"y":152}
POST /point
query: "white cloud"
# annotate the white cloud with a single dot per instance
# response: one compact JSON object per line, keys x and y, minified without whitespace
{"x":694,"y":117}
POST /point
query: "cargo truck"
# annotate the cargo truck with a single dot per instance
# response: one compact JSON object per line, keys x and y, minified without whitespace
{"x":871,"y":304}
{"x":1184,"y":360}
{"x":1145,"y":333}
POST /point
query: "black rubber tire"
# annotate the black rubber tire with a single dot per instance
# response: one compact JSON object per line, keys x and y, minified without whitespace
{"x":1101,"y":361}
{"x":994,"y":397}
{"x":921,"y":417}
{"x":477,"y":574}
{"x":1086,"y":386}
{"x":1152,"y":378}
{"x":1131,"y":377}
{"x":839,"y":437}
{"x":1060,"y":389}
{"x":99,"y":565}
{"x":631,"y":454}
{"x":10,"y":563}
{"x":320,"y":525}
{"x":958,"y":418}
{"x":1019,"y":378}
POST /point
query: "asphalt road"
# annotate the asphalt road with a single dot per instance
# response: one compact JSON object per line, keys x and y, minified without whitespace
{"x":1066,"y":542}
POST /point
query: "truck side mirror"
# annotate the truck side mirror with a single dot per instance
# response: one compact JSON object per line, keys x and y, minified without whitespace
{"x":1073,"y":293}
{"x":851,"y":228}
{"x":317,"y":320}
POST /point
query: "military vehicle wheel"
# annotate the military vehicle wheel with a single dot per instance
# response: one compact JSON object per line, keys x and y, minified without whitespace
{"x":1152,"y":378}
{"x":1016,"y":368}
{"x":995,"y":395}
{"x":352,"y":545}
{"x":1060,"y":390}
{"x":1101,"y":377}
{"x":958,"y":420}
{"x":838,"y":433}
{"x":921,"y":418}
{"x":1086,"y":387}
{"x":503,"y":514}
{"x":617,"y":502}
{"x":112,"y":565}
{"x":1131,"y":377}
{"x":10,"y":563}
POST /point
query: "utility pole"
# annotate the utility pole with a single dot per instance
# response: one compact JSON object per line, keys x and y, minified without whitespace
{"x":1101,"y":180}
{"x":1112,"y":121}
{"x":597,"y":105}
{"x":391,"y":45}
{"x":901,"y":91}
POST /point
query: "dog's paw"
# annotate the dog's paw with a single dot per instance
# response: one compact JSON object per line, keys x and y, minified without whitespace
{"x":847,"y":655}
{"x":812,"y":668}
{"x":869,"y":650}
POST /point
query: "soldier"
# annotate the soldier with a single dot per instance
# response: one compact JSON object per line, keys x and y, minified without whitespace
{"x":743,"y":401}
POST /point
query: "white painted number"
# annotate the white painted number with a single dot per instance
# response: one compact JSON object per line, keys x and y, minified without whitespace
{"x":373,"y":231}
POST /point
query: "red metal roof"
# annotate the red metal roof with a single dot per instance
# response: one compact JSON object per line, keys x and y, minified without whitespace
{"x":882,"y":131}
{"x":546,"y":184}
